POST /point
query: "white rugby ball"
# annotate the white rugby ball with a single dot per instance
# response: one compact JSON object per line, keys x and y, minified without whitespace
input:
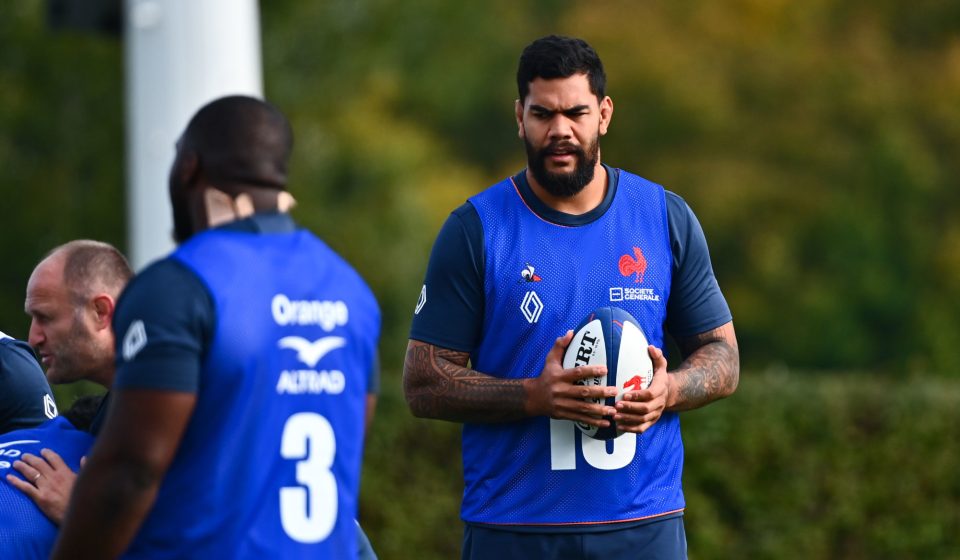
{"x":610,"y":337}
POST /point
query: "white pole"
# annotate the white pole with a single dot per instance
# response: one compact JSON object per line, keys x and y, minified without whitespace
{"x":180,"y":54}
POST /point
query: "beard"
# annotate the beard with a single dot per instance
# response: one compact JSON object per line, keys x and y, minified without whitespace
{"x":563,"y":185}
{"x":76,"y":357}
{"x":181,"y":224}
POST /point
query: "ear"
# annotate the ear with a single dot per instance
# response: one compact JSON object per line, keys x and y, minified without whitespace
{"x":103,"y":306}
{"x":285,"y":201}
{"x":518,"y":113}
{"x":606,"y":114}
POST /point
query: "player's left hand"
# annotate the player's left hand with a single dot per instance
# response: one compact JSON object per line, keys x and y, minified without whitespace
{"x":638,"y":410}
{"x":48,"y":483}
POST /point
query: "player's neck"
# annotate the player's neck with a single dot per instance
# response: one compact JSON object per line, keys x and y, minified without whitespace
{"x":584,"y":201}
{"x":103,"y":375}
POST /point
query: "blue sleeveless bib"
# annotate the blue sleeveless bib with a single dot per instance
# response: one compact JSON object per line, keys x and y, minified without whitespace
{"x":541,"y":279}
{"x":269,"y":466}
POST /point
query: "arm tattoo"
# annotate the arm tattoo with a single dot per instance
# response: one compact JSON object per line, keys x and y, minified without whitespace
{"x":438,"y":384}
{"x":710,"y":371}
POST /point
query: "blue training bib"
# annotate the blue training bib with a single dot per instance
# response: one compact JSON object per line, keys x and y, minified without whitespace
{"x":541,"y":279}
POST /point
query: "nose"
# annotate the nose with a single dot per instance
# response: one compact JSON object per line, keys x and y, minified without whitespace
{"x":36,"y":336}
{"x":560,"y":128}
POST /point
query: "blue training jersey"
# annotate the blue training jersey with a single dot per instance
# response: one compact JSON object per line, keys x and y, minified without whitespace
{"x":541,"y":279}
{"x":25,"y":532}
{"x":269,"y":466}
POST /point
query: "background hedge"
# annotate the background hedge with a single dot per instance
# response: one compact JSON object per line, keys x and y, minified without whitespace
{"x":793,"y":465}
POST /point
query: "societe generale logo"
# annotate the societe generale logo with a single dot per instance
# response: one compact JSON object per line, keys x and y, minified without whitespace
{"x":634,"y":266}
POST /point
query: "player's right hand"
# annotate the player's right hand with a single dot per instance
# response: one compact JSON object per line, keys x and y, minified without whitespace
{"x":50,"y":483}
{"x":555,"y":392}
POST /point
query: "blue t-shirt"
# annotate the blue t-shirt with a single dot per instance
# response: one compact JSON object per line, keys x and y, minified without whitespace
{"x":25,"y":396}
{"x":280,"y":360}
{"x":25,"y":532}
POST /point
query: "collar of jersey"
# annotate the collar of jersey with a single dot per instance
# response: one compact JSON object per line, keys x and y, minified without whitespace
{"x":562,"y":218}
{"x":265,"y":222}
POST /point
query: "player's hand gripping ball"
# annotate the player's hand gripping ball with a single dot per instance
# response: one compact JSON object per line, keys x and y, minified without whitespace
{"x":610,"y":337}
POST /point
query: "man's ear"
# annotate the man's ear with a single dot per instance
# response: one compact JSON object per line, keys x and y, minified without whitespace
{"x":103,"y":306}
{"x":606,"y":114}
{"x":518,"y":113}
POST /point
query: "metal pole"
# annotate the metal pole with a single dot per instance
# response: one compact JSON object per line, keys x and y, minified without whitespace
{"x":179,"y":54}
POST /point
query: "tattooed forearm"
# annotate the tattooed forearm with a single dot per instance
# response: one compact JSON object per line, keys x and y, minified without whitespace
{"x":710,"y":371}
{"x":438,"y":384}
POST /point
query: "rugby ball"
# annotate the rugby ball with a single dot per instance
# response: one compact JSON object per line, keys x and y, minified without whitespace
{"x":610,"y":337}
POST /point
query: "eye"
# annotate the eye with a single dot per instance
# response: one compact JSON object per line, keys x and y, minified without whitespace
{"x":40,"y":318}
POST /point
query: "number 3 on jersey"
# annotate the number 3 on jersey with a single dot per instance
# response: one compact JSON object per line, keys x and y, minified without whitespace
{"x":309,"y":514}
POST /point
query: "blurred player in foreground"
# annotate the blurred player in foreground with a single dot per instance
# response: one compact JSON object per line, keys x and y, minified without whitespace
{"x":236,"y":422}
{"x":71,"y":297}
{"x":521,"y":263}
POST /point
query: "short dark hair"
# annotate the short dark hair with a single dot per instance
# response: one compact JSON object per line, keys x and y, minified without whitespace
{"x":556,"y":56}
{"x":241,"y":139}
{"x":83,"y":410}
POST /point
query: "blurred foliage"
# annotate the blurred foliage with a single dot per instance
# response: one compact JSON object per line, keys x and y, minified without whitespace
{"x":412,"y":484}
{"x":816,"y":141}
{"x":793,"y":465}
{"x":61,"y":146}
{"x":799,"y":465}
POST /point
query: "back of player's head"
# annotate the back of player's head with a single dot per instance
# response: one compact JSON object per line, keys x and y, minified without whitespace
{"x":555,"y":57}
{"x":91,"y":267}
{"x":240,"y":140}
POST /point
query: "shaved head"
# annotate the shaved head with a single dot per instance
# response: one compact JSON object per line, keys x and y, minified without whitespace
{"x":240,"y":139}
{"x":232,"y":145}
{"x":70,"y":298}
{"x":93,"y":266}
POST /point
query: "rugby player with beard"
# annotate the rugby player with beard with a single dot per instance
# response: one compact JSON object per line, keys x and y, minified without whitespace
{"x":515,"y":268}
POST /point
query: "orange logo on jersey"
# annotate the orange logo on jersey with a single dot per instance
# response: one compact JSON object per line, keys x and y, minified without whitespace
{"x":636,"y":264}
